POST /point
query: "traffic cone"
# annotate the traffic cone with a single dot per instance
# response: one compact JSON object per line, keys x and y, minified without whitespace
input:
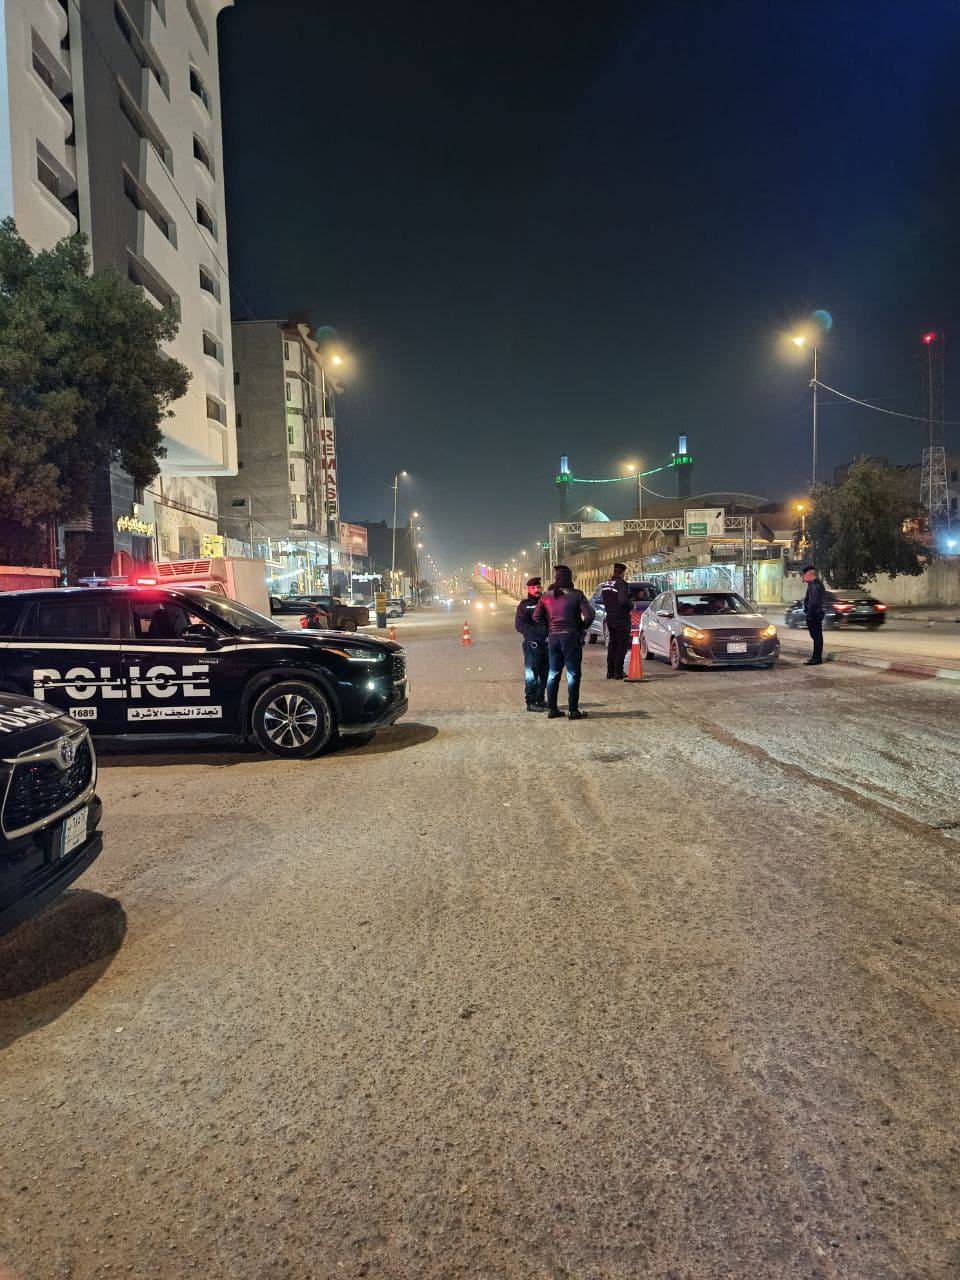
{"x":465,"y":638}
{"x":391,"y":632}
{"x":635,"y":670}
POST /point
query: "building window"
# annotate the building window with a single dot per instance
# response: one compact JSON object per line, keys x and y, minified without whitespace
{"x":293,"y":508}
{"x":239,"y":422}
{"x":286,"y":349}
{"x":238,"y":502}
{"x":208,"y":283}
{"x":236,"y":377}
{"x":206,"y":219}
{"x":198,"y":88}
{"x":48,"y":179}
{"x":143,"y":200}
{"x":212,"y":347}
{"x":239,"y":464}
{"x":198,"y":23}
{"x":201,"y":153}
{"x":143,"y":127}
{"x":49,"y":67}
{"x":143,"y":274}
{"x":953,"y":477}
{"x":289,"y":435}
{"x":289,"y":392}
{"x":217,"y":410}
{"x":141,"y":50}
{"x":293,"y":472}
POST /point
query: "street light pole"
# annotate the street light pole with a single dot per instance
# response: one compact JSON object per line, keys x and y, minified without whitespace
{"x":814,"y":469}
{"x":393,"y":540}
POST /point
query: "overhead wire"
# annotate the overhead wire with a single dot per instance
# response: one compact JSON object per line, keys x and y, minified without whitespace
{"x":893,"y":413}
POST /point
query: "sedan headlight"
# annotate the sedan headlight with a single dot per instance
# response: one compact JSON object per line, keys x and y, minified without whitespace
{"x":768,"y":632}
{"x":694,"y":633}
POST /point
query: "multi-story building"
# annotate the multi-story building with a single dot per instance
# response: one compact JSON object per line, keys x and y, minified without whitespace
{"x":284,"y":497}
{"x":110,"y":124}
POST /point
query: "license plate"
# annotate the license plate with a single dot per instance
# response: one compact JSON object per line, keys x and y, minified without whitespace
{"x":736,"y":648}
{"x":74,"y":832}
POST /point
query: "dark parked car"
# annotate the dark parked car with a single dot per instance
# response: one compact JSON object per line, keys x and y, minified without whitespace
{"x":842,"y":609}
{"x":641,"y":593}
{"x":137,"y":661}
{"x":329,"y":611}
{"x":50,"y":812}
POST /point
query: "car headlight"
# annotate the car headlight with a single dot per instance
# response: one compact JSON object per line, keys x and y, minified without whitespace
{"x":356,"y":655}
{"x":768,"y":632}
{"x":694,"y":633}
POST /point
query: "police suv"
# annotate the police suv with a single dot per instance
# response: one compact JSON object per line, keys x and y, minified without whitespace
{"x":146,"y":660}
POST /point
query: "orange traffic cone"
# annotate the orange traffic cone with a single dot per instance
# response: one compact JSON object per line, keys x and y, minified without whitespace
{"x":465,"y":638}
{"x":635,"y":670}
{"x":391,"y":632}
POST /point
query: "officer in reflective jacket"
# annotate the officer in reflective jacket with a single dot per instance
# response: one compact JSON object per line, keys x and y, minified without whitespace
{"x":616,"y":605}
{"x":535,"y":655}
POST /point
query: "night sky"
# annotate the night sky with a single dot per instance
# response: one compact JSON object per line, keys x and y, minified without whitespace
{"x":585,"y":229}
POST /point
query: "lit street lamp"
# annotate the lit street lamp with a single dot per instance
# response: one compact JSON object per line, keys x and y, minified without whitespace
{"x":801,"y":508}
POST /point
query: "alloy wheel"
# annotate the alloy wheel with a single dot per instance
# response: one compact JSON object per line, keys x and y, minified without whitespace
{"x":290,"y":720}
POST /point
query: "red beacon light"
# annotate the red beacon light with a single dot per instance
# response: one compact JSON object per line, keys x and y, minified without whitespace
{"x":929,"y":339}
{"x":146,"y":582}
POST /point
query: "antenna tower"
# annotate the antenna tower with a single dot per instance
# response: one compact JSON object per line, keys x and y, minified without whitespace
{"x":933,"y":470}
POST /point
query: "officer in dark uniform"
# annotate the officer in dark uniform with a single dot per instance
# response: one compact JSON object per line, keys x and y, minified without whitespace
{"x":617,"y":606}
{"x":535,"y":652}
{"x":813,"y":603}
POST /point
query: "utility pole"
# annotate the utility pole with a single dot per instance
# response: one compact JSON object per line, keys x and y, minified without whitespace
{"x":250,"y":523}
{"x":814,"y":384}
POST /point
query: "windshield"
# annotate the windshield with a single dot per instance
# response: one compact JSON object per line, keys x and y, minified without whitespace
{"x":237,"y":616}
{"x":708,"y":603}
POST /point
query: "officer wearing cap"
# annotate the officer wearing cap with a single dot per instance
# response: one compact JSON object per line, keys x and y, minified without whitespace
{"x":616,"y":604}
{"x":535,"y":653}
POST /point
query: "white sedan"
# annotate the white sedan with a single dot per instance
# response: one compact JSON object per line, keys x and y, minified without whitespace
{"x":707,"y":629}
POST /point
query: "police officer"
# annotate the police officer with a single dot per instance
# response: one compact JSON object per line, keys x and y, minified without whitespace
{"x":535,"y":655}
{"x":568,"y":614}
{"x":617,"y":606}
{"x":813,"y":612}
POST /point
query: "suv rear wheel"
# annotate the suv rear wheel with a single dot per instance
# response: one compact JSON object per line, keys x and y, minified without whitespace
{"x":293,"y":720}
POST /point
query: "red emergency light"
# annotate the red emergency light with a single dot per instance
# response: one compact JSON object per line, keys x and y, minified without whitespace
{"x":146,"y":582}
{"x":929,"y":338}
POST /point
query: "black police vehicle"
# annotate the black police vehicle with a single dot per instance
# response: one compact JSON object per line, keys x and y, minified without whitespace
{"x":137,"y":661}
{"x":49,"y":811}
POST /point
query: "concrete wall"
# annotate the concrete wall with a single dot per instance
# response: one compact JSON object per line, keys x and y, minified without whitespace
{"x":940,"y":585}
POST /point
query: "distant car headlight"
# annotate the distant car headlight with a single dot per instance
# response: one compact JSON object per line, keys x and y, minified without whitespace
{"x":478,"y":605}
{"x":694,"y":633}
{"x":768,"y":632}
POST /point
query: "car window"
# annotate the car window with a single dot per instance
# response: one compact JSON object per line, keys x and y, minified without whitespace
{"x":161,"y":619}
{"x":9,"y":614}
{"x":640,"y":592}
{"x":667,"y":602}
{"x":72,"y":620}
{"x":710,"y":603}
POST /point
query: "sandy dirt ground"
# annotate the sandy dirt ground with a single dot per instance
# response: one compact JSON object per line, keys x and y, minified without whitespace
{"x":669,"y":992}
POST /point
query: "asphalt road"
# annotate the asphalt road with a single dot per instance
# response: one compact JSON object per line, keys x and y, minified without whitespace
{"x":669,"y":992}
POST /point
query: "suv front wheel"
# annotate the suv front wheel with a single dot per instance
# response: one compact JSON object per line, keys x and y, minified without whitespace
{"x":293,"y":720}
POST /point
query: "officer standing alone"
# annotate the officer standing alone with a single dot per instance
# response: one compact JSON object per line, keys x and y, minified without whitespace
{"x":535,"y":653}
{"x":813,"y":612}
{"x":616,"y":605}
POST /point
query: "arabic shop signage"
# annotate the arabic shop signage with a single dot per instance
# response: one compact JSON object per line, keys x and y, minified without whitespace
{"x":133,"y":524}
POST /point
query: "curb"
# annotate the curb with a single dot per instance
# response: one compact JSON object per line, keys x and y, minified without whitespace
{"x":899,"y":666}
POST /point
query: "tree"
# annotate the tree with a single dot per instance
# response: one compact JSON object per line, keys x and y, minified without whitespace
{"x":866,"y":526}
{"x":83,"y":383}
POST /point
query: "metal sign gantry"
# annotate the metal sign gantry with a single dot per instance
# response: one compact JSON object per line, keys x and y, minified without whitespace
{"x":561,"y":530}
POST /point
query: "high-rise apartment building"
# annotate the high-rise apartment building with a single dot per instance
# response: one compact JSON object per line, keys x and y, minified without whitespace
{"x":285,"y":490}
{"x":110,"y":124}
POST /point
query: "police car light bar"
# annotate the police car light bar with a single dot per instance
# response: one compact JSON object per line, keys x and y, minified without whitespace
{"x":145,"y":582}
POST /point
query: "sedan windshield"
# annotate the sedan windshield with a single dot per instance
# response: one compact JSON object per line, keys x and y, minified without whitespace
{"x":709,"y":603}
{"x":237,"y":616}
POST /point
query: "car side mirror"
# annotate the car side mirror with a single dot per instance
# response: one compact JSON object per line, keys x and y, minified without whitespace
{"x":664,"y":613}
{"x":198,"y":631}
